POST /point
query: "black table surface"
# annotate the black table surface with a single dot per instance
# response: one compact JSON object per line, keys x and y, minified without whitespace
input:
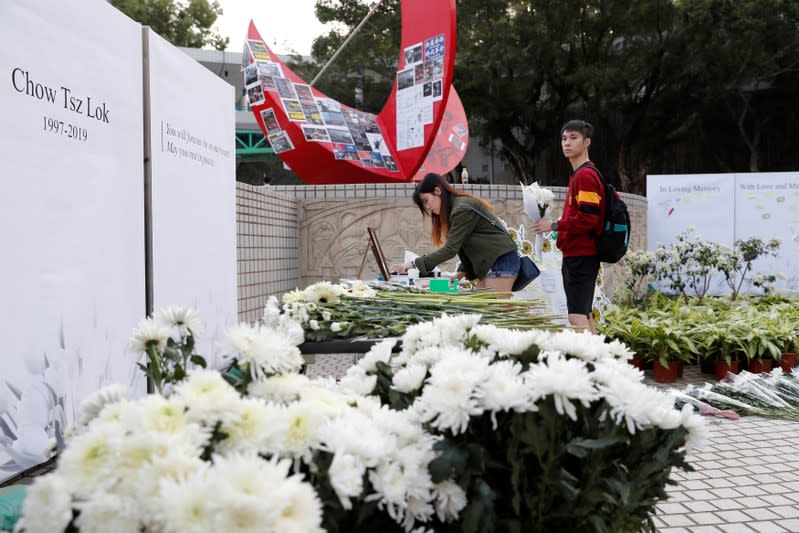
{"x":345,"y":346}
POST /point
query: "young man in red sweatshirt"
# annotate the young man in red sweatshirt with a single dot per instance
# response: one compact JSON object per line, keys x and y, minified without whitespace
{"x":579,"y":224}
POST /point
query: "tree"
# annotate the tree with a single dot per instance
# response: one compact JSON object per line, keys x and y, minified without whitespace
{"x":181,"y":23}
{"x":672,"y":85}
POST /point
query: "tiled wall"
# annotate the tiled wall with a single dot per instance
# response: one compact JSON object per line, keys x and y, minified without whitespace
{"x":268,"y":260}
{"x":291,"y":236}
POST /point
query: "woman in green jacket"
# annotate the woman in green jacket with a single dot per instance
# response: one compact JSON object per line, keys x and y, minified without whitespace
{"x":464,"y":225}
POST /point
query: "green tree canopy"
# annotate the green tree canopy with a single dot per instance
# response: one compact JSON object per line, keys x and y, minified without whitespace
{"x":181,"y":23}
{"x":671,"y":85}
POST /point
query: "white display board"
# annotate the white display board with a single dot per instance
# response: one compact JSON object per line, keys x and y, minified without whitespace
{"x":193,"y":135}
{"x":71,"y":215}
{"x":767,"y":206}
{"x":702,"y":201}
{"x":726,"y":207}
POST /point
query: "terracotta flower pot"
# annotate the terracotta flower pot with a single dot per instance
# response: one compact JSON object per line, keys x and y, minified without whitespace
{"x":636,"y":362}
{"x":680,"y":368}
{"x":721,"y":368}
{"x":666,"y":374}
{"x":760,"y":366}
{"x":788,"y":361}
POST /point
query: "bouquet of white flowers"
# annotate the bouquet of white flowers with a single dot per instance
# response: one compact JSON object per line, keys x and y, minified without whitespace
{"x":537,"y":205}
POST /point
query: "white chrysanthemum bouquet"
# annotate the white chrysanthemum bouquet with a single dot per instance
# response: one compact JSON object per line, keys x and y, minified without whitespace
{"x":537,"y":205}
{"x":534,"y":425}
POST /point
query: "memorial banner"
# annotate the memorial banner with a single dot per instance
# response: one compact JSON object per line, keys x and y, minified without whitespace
{"x":71,"y":216}
{"x":192,"y":135}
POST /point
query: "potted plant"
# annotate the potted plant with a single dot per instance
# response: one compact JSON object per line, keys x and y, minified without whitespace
{"x":669,"y":349}
{"x":787,"y":336}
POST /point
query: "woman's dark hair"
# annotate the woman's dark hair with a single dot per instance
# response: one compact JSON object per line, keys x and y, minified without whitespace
{"x":441,"y":220}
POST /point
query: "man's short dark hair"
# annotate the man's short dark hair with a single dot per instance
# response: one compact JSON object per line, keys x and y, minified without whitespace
{"x":580,"y":126}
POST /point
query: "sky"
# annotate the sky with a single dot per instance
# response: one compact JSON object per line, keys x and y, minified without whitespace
{"x":285,"y":25}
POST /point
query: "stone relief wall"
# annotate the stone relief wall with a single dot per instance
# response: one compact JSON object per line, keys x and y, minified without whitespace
{"x":333,"y":234}
{"x":297,"y":235}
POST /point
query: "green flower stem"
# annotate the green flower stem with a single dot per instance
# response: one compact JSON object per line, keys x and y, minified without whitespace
{"x":154,"y":362}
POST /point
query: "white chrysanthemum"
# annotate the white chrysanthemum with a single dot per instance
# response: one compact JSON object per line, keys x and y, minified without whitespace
{"x":280,"y":388}
{"x":637,"y":405}
{"x":504,"y":388}
{"x":450,"y":500}
{"x":89,"y":463}
{"x":698,"y":432}
{"x":323,"y":292}
{"x":264,"y":350}
{"x":48,"y":505}
{"x":507,"y":341}
{"x":249,"y":430}
{"x":564,"y":379}
{"x":357,"y":381}
{"x":608,"y":371}
{"x":379,"y":352}
{"x":448,"y":401}
{"x":191,"y":505}
{"x":314,"y":324}
{"x":444,"y":331}
{"x":293,"y":297}
{"x":149,"y":333}
{"x":207,"y":395}
{"x":140,"y":449}
{"x":185,"y":319}
{"x":91,"y":406}
{"x":271,"y":316}
{"x":410,"y":378}
{"x":175,"y":465}
{"x":359,"y":289}
{"x":357,"y":435}
{"x":303,"y":510}
{"x":105,"y":512}
{"x":346,"y":477}
{"x":582,"y":344}
{"x":329,"y":402}
{"x":163,"y":415}
{"x":296,"y":429}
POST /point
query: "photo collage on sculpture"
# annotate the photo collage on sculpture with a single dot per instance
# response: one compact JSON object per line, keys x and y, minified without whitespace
{"x":352,"y":135}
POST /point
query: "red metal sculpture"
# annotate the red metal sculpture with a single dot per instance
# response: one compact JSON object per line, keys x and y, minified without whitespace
{"x":326,"y":142}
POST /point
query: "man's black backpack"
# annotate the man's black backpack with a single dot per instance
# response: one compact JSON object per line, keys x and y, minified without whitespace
{"x":612,"y":244}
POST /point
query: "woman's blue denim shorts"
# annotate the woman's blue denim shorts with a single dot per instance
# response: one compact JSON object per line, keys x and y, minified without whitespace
{"x":506,"y":266}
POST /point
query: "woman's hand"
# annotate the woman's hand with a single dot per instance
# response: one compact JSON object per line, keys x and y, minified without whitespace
{"x":542,"y":226}
{"x":402,"y":268}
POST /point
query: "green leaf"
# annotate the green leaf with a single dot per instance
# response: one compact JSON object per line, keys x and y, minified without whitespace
{"x":199,"y":360}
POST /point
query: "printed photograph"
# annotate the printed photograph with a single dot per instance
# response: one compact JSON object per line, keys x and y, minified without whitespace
{"x":280,"y":142}
{"x":391,"y":165}
{"x":437,"y":89}
{"x":255,"y":95}
{"x":438,"y":68}
{"x":418,"y":71}
{"x":328,"y":105}
{"x":377,"y":160}
{"x":285,"y":88}
{"x":246,"y":57}
{"x":294,"y":110}
{"x":405,"y":79}
{"x":369,"y":123}
{"x":360,"y":140}
{"x":270,"y":121}
{"x":413,"y":54}
{"x":259,"y":50}
{"x":312,"y":114}
{"x":250,"y":74}
{"x":315,"y":134}
{"x":269,"y":68}
{"x":267,"y":83}
{"x":378,"y":143}
{"x":333,"y":118}
{"x":427,"y":89}
{"x":428,"y":70}
{"x":304,"y":94}
{"x":340,"y":135}
{"x":345,"y":151}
